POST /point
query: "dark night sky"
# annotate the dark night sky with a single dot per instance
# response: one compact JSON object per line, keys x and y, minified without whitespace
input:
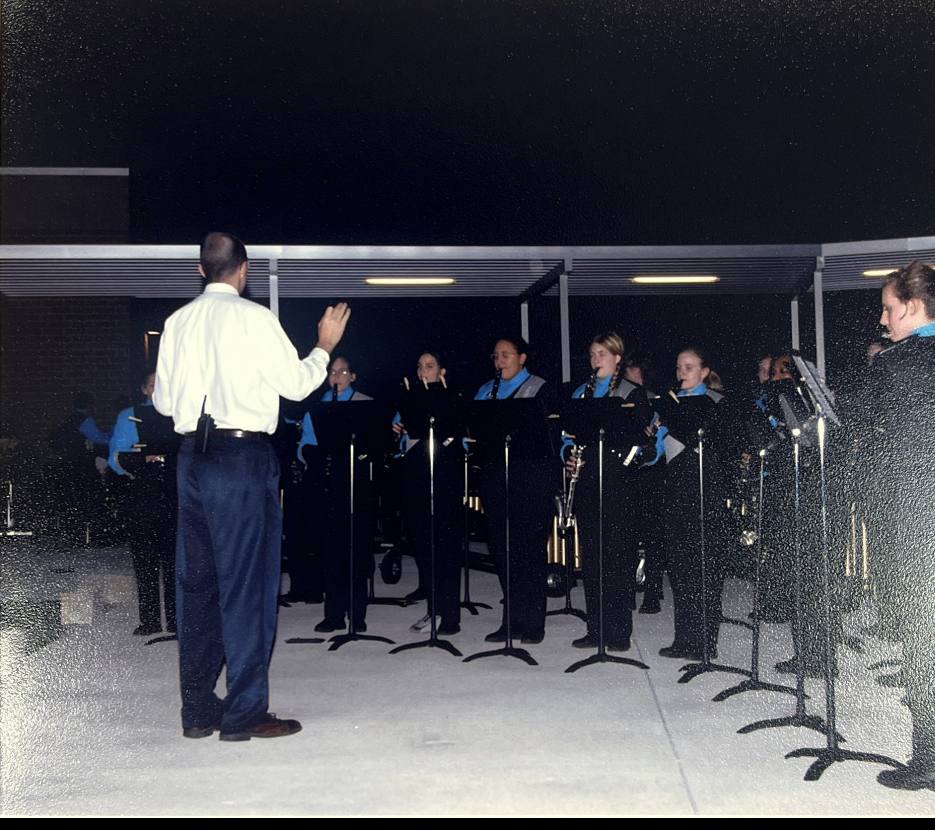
{"x":460,"y":122}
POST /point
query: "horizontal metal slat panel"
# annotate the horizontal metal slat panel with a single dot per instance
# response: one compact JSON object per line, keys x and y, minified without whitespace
{"x":845,"y":272}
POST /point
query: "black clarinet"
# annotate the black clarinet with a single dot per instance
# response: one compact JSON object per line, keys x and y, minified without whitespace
{"x":592,"y":385}
{"x":496,"y":386}
{"x":334,"y":393}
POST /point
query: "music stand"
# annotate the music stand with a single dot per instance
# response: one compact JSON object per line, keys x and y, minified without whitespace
{"x":433,"y":641}
{"x":522,"y":425}
{"x":800,"y":717}
{"x":753,"y":682}
{"x":831,"y":753}
{"x":347,"y":430}
{"x":595,"y":420}
{"x":686,"y":418}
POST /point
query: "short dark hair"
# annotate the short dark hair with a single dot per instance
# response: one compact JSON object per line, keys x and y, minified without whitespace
{"x":521,"y":346}
{"x":222,"y":254}
{"x":916,"y":281}
{"x":347,"y":360}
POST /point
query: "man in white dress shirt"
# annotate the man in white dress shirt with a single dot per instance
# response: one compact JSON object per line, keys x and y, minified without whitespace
{"x":230,"y":358}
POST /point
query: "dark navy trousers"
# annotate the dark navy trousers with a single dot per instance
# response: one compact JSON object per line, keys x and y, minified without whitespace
{"x":227,"y":578}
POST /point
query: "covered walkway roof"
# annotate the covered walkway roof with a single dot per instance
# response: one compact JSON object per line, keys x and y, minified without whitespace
{"x":503,"y":271}
{"x":524,"y":272}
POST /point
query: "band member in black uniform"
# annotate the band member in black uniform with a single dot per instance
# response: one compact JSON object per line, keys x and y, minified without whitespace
{"x":448,"y":506}
{"x":896,"y":406}
{"x":151,"y":508}
{"x":532,"y":483}
{"x":683,"y":513}
{"x":620,"y":504}
{"x":329,"y":483}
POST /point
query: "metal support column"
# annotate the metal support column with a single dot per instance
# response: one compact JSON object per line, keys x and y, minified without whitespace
{"x":819,"y":318}
{"x":274,"y":286}
{"x":794,"y":313}
{"x":563,"y":308}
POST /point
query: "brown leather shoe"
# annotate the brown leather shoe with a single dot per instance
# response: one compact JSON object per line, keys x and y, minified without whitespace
{"x":271,"y":727}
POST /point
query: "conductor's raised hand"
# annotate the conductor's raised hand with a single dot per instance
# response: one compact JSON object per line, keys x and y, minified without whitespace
{"x":331,"y":326}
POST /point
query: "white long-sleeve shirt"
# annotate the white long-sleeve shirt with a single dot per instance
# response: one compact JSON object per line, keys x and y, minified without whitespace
{"x":236,"y":353}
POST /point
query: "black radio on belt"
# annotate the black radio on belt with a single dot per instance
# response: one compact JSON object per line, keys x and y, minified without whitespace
{"x":204,"y":429}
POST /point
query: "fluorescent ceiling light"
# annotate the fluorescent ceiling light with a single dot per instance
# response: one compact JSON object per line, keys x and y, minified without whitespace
{"x":409,"y":280}
{"x":673,"y":279}
{"x":880,"y":272}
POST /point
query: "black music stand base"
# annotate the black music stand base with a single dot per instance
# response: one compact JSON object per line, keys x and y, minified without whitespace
{"x":165,"y":638}
{"x":304,"y":640}
{"x":741,"y":623}
{"x":507,"y":651}
{"x":603,"y":657}
{"x":473,"y":606}
{"x":751,"y":685}
{"x":692,"y":670}
{"x":825,"y":757}
{"x":431,"y":642}
{"x":351,"y":636}
{"x":803,"y":720}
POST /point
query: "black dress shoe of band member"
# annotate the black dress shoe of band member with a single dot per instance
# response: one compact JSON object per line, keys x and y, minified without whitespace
{"x":650,"y":607}
{"x":269,"y":727}
{"x":532,"y":639}
{"x":499,"y":636}
{"x":587,"y":641}
{"x":200,"y":731}
{"x":618,"y":645}
{"x":147,"y":630}
{"x":447,"y":629}
{"x":360,"y":627}
{"x":327,"y":625}
{"x":676,"y":651}
{"x":415,"y":596}
{"x":915,"y":776}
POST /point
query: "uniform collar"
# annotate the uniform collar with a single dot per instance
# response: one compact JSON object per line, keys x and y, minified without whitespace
{"x":507,"y":387}
{"x":346,"y":395}
{"x":220,"y":288}
{"x":928,"y":330}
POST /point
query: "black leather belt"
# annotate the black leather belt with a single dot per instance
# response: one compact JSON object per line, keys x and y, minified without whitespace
{"x":233,"y":433}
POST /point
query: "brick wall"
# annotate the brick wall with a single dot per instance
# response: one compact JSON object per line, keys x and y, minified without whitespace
{"x":53,"y":347}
